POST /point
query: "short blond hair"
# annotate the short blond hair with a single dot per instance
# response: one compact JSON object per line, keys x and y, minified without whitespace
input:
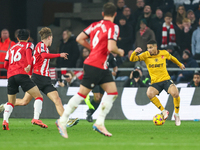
{"x":45,"y":33}
{"x":186,"y":20}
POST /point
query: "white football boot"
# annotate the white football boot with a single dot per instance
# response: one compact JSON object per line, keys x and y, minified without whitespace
{"x":165,"y":114}
{"x":177,"y":120}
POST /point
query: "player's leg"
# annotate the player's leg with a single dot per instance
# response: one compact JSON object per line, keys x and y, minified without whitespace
{"x":176,"y":98}
{"x":53,"y":95}
{"x":152,"y":91}
{"x":95,"y":103}
{"x":57,"y":101}
{"x":19,"y":102}
{"x":71,"y":106}
{"x":24,"y":101}
{"x":32,"y":91}
{"x":106,"y":105}
{"x":97,"y":96}
{"x":12,"y":91}
{"x":8,"y":110}
{"x":35,"y":93}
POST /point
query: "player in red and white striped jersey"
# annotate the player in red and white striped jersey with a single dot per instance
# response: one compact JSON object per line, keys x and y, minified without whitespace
{"x":18,"y":63}
{"x":41,"y":77}
{"x":103,"y":36}
{"x":40,"y":74}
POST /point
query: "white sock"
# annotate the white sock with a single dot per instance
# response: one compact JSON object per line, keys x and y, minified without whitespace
{"x":8,"y":110}
{"x":4,"y":105}
{"x":37,"y":108}
{"x":106,"y":105}
{"x":71,"y":106}
{"x":176,"y":114}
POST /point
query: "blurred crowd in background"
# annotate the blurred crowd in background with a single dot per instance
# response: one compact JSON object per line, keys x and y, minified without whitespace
{"x":174,"y":24}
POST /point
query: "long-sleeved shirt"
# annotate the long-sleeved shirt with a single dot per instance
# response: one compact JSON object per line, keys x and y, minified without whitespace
{"x":196,"y":41}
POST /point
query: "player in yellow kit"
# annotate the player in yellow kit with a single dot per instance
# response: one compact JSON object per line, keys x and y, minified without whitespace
{"x":155,"y":61}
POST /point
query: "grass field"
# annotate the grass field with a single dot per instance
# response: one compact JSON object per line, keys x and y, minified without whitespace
{"x":127,"y":135}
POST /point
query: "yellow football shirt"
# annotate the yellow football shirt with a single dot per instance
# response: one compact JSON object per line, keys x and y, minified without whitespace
{"x":156,"y":64}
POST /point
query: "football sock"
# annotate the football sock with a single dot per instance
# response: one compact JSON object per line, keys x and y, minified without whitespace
{"x":157,"y":103}
{"x":87,"y":101}
{"x":4,"y":105}
{"x":176,"y":104}
{"x":71,"y":106}
{"x":37,"y":107}
{"x":106,"y":105}
{"x":95,"y":105}
{"x":8,"y":110}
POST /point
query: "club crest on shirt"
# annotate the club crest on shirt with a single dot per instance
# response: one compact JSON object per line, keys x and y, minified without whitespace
{"x":156,"y":59}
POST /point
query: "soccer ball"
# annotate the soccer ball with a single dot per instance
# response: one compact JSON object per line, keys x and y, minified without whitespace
{"x":158,"y":119}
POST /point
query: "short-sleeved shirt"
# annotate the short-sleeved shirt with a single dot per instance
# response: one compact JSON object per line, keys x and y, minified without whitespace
{"x":99,"y":33}
{"x":40,"y":65}
{"x":156,"y":65}
{"x":16,"y":56}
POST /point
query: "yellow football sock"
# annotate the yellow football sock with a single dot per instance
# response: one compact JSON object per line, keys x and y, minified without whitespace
{"x":176,"y":104}
{"x":157,"y":103}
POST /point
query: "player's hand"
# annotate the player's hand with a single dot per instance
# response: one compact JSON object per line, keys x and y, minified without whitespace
{"x":138,"y":50}
{"x":114,"y":73}
{"x":121,"y":52}
{"x":28,"y":68}
{"x":182,"y":66}
{"x":64,"y":55}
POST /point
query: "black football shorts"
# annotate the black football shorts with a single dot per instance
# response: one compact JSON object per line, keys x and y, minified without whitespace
{"x":162,"y":85}
{"x":44,"y":83}
{"x":22,"y":80}
{"x":95,"y":76}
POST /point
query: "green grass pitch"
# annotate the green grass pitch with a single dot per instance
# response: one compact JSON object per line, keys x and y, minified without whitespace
{"x":127,"y":135}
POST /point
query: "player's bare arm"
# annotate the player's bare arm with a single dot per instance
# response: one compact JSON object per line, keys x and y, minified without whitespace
{"x":64,"y":55}
{"x":82,"y":39}
{"x":112,"y":47}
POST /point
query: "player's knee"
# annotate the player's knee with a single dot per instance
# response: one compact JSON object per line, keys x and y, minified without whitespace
{"x":150,"y":94}
{"x":24,"y":103}
{"x":175,"y":94}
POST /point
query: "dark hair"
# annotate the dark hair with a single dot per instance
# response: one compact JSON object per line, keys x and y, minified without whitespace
{"x":152,"y":42}
{"x":179,"y":20}
{"x":168,"y":14}
{"x":196,"y":73}
{"x":109,"y":9}
{"x":23,"y":34}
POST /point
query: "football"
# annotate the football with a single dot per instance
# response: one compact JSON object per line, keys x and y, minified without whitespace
{"x":158,"y":119}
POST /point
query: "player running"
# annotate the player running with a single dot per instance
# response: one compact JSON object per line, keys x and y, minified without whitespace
{"x":156,"y":64}
{"x":18,"y":63}
{"x":103,"y":36}
{"x":41,"y":78}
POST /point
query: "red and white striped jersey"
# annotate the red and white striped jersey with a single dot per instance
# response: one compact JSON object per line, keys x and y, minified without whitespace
{"x":99,"y":33}
{"x":16,"y":56}
{"x":40,"y":65}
